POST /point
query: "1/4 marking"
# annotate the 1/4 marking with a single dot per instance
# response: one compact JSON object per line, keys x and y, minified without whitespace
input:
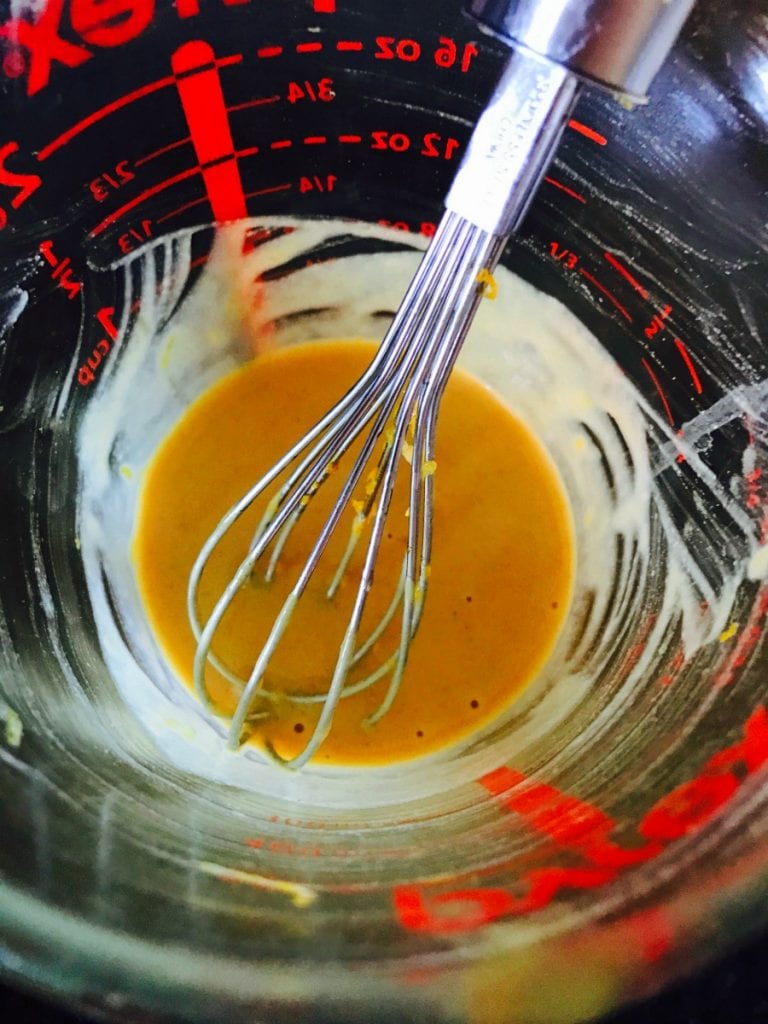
{"x":318,"y":183}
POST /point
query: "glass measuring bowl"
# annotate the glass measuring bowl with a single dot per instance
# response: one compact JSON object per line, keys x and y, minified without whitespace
{"x":612,"y":831}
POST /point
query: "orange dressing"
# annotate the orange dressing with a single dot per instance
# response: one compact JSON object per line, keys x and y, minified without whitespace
{"x":498,"y":589}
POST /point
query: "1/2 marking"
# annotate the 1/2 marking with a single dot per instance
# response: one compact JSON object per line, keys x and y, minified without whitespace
{"x":62,"y":270}
{"x":657,"y":323}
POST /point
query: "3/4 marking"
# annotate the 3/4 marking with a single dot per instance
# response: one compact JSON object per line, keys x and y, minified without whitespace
{"x":322,"y":90}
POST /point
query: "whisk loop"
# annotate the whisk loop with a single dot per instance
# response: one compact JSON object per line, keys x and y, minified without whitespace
{"x":394,"y":404}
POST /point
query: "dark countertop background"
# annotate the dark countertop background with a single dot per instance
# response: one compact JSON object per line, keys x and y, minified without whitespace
{"x":734,"y":991}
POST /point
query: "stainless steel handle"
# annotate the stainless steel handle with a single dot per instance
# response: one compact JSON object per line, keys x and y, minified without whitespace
{"x":619,"y":44}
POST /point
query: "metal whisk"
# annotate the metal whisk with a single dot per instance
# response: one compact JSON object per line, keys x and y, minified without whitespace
{"x":620,"y":43}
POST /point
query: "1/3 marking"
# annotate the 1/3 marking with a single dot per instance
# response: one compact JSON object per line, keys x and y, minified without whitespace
{"x":313,"y":91}
{"x":135,"y":236}
{"x":24,"y":184}
{"x":568,"y":259}
{"x":110,"y":181}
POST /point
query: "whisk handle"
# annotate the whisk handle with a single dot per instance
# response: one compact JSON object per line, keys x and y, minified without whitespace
{"x":620,"y":44}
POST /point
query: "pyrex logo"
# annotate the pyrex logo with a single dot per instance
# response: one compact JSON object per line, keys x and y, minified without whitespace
{"x":43,"y":35}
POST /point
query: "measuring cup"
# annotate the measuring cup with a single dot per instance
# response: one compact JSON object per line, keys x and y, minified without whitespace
{"x":610,"y":832}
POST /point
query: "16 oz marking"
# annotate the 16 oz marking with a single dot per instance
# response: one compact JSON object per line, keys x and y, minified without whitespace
{"x":409,"y":51}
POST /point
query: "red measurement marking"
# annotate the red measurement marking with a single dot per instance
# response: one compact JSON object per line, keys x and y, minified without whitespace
{"x":182,"y":209}
{"x":269,"y":191}
{"x":146,"y":194}
{"x":349,"y":45}
{"x":281,"y":144}
{"x":608,"y":294}
{"x":104,"y":316}
{"x":584,"y":831}
{"x":588,"y":132}
{"x":564,"y":188}
{"x":308,"y":47}
{"x":262,"y":102}
{"x":87,"y":372}
{"x":626,"y":274}
{"x":118,"y":104}
{"x":199,"y":262}
{"x":247,"y":152}
{"x":269,"y":51}
{"x":62,"y":270}
{"x":659,"y":389}
{"x":315,"y":140}
{"x":657,"y":323}
{"x":689,"y":365}
{"x":324,"y":6}
{"x":202,"y":99}
{"x":350,"y":138}
{"x":101,"y":113}
{"x":161,"y":152}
